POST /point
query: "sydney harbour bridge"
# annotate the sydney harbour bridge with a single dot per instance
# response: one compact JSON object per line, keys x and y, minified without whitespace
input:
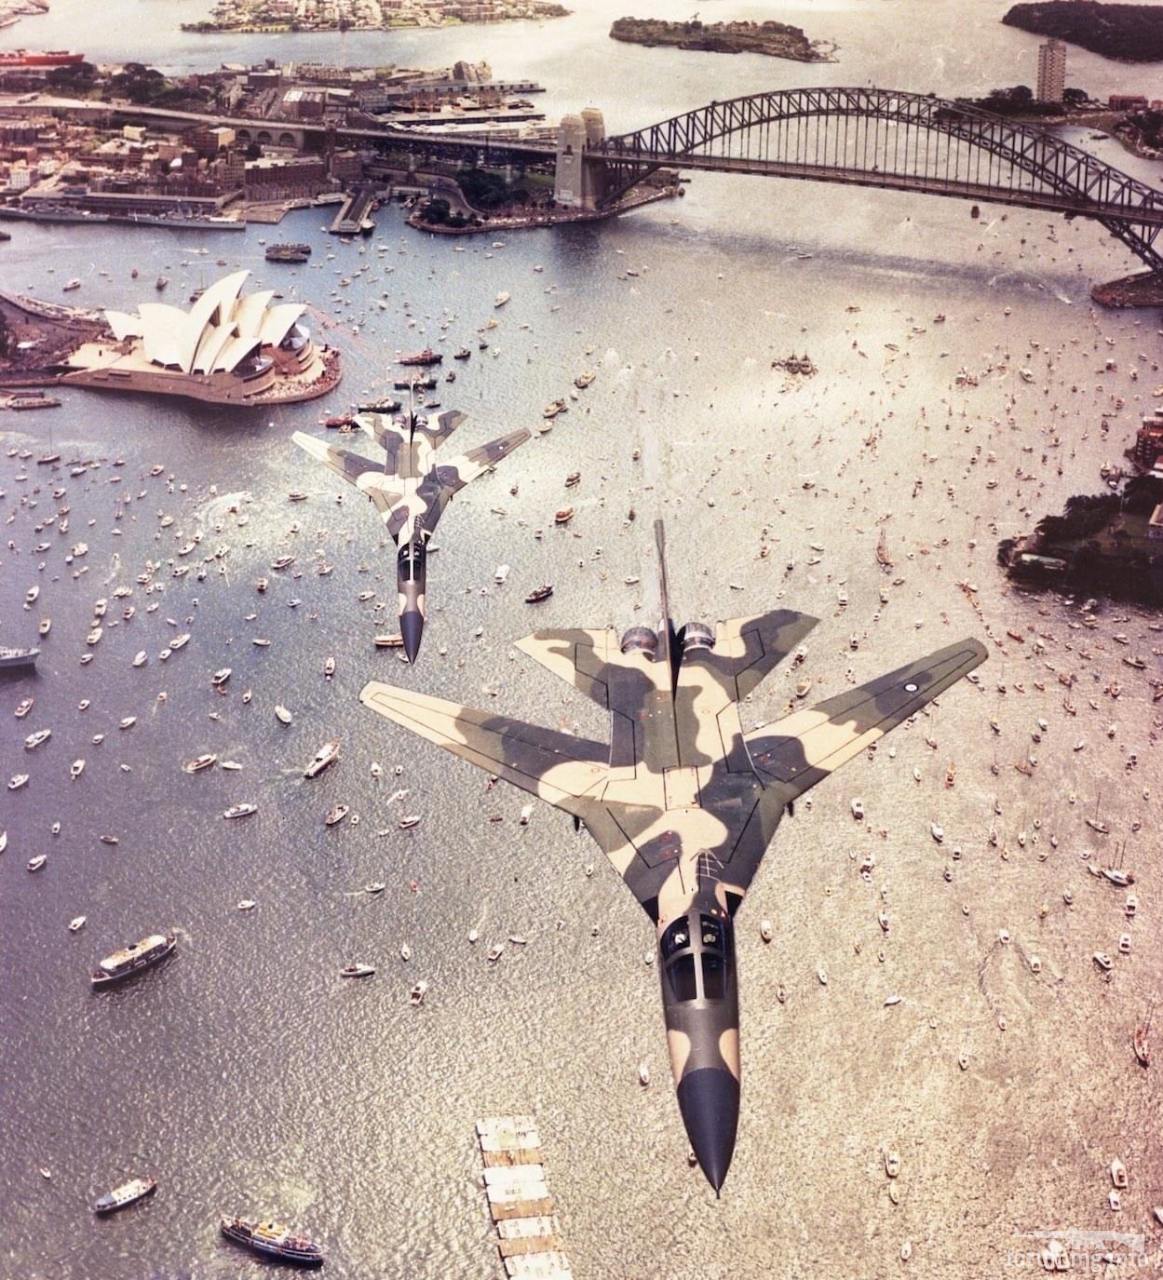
{"x":857,"y":136}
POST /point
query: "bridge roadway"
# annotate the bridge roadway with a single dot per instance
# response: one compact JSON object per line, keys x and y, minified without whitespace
{"x":1053,"y":202}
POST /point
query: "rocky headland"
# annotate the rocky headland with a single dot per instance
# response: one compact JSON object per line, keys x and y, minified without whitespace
{"x":773,"y":39}
{"x":1128,"y":32}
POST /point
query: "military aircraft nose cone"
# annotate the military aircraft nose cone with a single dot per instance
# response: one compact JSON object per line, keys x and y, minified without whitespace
{"x":411,"y":629}
{"x":709,"y":1101}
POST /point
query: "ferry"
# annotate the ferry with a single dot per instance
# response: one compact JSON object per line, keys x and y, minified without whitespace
{"x":126,"y":1194}
{"x":132,"y":959}
{"x":33,"y":400}
{"x":425,"y":357}
{"x":11,"y":658}
{"x":326,"y":754}
{"x":288,"y":252}
{"x":273,"y":1239}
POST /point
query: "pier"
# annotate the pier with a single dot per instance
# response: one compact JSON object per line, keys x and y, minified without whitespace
{"x":354,"y":216}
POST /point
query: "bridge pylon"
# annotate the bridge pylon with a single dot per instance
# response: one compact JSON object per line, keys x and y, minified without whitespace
{"x":580,"y":181}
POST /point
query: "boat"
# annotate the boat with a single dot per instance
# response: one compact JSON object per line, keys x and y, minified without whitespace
{"x":11,"y":58}
{"x":3,"y":841}
{"x":584,"y":379}
{"x":46,"y":460}
{"x":220,"y":677}
{"x":23,"y":707}
{"x":180,"y":642}
{"x":563,"y":515}
{"x":501,"y":299}
{"x":283,"y":715}
{"x":416,"y":995}
{"x":76,"y":924}
{"x":35,"y":864}
{"x":35,"y":739}
{"x":273,"y":1239}
{"x":414,"y":384}
{"x":76,"y":769}
{"x":553,"y":408}
{"x":408,"y":821}
{"x":260,"y":642}
{"x":287,"y":252}
{"x":127,"y":722}
{"x":463,"y":354}
{"x":327,"y":754}
{"x":1141,"y":1046}
{"x":44,"y":626}
{"x":337,"y":814}
{"x":376,"y":886}
{"x":13,"y":658}
{"x":339,"y":420}
{"x":70,"y":285}
{"x":31,"y":594}
{"x":357,"y":971}
{"x":328,"y":667}
{"x":160,"y":283}
{"x":393,"y":641}
{"x":200,"y":762}
{"x":421,"y":358}
{"x":538,"y":594}
{"x":243,"y":810}
{"x":296,"y":495}
{"x":139,"y":658}
{"x":133,"y":959}
{"x":126,"y":1194}
{"x":283,"y":562}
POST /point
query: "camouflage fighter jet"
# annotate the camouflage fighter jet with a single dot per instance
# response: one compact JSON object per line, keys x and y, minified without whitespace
{"x":410,"y":491}
{"x":682,"y":800}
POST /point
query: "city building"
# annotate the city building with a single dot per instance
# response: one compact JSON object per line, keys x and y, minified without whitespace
{"x":227,"y":349}
{"x":1051,"y":71}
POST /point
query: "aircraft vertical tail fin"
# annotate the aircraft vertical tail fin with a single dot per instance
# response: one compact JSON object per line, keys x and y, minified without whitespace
{"x":666,"y":635}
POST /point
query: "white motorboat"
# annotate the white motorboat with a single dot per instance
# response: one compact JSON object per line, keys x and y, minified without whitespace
{"x":327,"y":754}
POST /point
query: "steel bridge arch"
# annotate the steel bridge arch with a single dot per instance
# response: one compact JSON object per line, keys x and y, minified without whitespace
{"x":1061,"y":177}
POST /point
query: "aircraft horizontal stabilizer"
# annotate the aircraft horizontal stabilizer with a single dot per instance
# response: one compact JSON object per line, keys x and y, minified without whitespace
{"x":579,"y":657}
{"x":748,"y":649}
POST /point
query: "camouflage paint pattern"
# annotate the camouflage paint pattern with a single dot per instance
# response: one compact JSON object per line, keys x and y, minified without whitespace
{"x":410,"y":491}
{"x":681,"y":800}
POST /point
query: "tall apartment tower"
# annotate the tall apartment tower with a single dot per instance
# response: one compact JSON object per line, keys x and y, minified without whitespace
{"x":1051,"y":71}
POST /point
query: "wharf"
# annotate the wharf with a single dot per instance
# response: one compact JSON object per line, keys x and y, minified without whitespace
{"x":519,"y":1199}
{"x":353,"y":217}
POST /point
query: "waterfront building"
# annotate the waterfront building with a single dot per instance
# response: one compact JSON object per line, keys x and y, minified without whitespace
{"x":1051,"y":71}
{"x":227,"y":349}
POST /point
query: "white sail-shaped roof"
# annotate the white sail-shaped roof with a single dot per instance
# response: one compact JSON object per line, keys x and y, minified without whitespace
{"x":220,"y":329}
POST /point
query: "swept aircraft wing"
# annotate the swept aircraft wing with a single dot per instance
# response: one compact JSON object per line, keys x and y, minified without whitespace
{"x":454,"y":474}
{"x":561,"y":769}
{"x":366,"y":475}
{"x":805,"y":747}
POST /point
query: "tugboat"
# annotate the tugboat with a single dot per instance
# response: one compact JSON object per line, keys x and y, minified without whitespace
{"x":327,"y":753}
{"x":273,"y":1239}
{"x":126,"y":1194}
{"x":423,"y":358}
{"x":132,"y":959}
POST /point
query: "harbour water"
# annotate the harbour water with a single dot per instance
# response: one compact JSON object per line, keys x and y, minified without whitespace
{"x":245,"y":1074}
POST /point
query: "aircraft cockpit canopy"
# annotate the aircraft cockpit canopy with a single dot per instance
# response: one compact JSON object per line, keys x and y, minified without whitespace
{"x":698,"y":960}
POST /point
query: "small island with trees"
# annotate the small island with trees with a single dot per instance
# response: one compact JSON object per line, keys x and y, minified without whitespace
{"x":773,"y":39}
{"x":1128,"y":32}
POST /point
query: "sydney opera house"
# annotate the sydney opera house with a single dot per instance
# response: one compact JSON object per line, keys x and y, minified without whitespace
{"x":227,"y":349}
